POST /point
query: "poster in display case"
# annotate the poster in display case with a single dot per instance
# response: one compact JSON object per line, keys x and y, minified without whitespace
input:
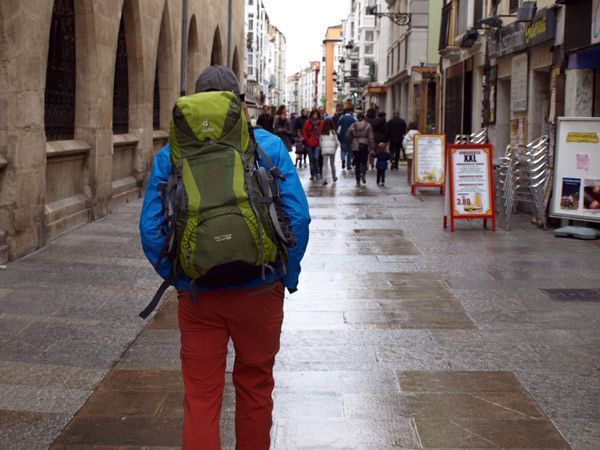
{"x":576,"y":187}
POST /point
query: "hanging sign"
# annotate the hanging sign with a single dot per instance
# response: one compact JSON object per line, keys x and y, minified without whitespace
{"x":471,"y":184}
{"x":429,"y":167}
{"x":576,"y":187}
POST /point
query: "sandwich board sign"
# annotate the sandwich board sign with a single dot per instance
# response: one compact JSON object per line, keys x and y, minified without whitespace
{"x":429,"y":162}
{"x":470,"y":192}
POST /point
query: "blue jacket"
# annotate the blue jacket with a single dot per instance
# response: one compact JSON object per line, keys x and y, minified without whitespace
{"x":343,"y":126}
{"x":153,"y":223}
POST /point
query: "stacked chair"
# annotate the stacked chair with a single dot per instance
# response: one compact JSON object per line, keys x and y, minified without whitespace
{"x":522,"y":175}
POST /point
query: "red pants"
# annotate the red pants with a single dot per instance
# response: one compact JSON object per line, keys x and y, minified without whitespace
{"x":252,"y":318}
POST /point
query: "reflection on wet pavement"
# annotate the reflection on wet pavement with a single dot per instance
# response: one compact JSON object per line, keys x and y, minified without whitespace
{"x":401,"y":336}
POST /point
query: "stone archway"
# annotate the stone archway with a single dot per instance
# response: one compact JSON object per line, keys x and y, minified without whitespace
{"x":192,"y":56}
{"x":235,"y":64}
{"x":216,"y":54}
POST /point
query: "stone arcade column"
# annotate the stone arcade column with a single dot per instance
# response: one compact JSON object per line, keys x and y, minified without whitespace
{"x":24,"y":31}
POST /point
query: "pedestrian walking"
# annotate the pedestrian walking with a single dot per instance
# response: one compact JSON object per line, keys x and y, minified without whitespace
{"x":382,"y":156}
{"x":265,"y":120}
{"x":232,"y":299}
{"x":344,"y":125}
{"x":301,"y":153}
{"x":339,"y":112}
{"x":283,"y":128}
{"x":363,"y":142}
{"x":371,"y":117}
{"x":396,"y":129}
{"x":312,"y":133}
{"x":329,"y":143}
{"x":408,"y":145}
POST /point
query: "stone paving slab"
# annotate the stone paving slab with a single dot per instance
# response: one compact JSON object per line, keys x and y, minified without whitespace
{"x":402,"y":335}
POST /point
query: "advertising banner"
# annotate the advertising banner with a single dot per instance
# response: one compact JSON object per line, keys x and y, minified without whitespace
{"x":429,"y":167}
{"x":576,"y":188}
{"x":470,"y":176}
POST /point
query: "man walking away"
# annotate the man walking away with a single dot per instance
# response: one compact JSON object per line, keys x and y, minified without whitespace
{"x":249,"y":312}
{"x":344,"y":125}
{"x":363,"y":142}
{"x":265,"y":120}
{"x":409,"y":144}
{"x":339,"y":112}
{"x":396,"y":129}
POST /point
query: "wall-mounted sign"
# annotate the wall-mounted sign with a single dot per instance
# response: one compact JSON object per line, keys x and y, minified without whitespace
{"x":429,"y":167}
{"x":576,"y":188}
{"x":518,"y":83}
{"x":470,"y":182}
{"x":518,"y":36}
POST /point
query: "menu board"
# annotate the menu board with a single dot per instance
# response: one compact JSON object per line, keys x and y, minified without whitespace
{"x":576,"y":187}
{"x":429,"y":159}
{"x":470,"y":181}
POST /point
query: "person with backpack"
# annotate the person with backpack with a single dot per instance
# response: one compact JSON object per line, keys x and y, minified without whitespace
{"x":312,"y":134}
{"x":408,"y":144}
{"x":329,"y":143}
{"x":344,"y":124}
{"x":225,"y":221}
{"x":363,"y":142}
{"x":396,"y":129}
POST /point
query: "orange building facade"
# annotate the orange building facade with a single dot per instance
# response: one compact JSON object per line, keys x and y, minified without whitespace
{"x":332,"y":38}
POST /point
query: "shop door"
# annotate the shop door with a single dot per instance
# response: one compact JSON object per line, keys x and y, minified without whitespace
{"x":468,"y":104}
{"x":453,"y":107}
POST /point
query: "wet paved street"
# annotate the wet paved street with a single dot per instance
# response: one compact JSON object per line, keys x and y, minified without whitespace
{"x":402,"y":335}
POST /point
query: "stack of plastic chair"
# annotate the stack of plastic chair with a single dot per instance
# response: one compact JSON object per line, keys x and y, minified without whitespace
{"x":524,"y":177}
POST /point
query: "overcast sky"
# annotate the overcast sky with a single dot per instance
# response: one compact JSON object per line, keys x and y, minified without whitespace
{"x":304,"y":23}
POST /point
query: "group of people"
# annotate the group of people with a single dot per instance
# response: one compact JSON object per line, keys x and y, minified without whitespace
{"x":364,"y":140}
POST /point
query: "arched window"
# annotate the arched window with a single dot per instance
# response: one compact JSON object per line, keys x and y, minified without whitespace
{"x":192,"y":56}
{"x":156,"y":105}
{"x":216,"y":56}
{"x":59,"y":101}
{"x":235,"y":64}
{"x":121,"y":86}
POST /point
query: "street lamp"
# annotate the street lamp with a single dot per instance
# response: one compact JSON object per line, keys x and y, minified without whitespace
{"x":396,"y":17}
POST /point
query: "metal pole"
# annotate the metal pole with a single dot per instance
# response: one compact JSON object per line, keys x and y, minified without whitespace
{"x":184,"y":45}
{"x":229,"y":30}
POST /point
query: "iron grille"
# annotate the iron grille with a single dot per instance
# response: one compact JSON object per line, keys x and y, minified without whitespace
{"x":121,"y":86}
{"x":156,"y":105}
{"x":59,"y":99}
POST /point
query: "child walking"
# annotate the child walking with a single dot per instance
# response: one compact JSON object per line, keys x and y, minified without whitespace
{"x":329,"y":143}
{"x":383,"y":156}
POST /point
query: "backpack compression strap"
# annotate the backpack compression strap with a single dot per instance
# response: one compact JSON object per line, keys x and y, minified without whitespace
{"x":156,"y":299}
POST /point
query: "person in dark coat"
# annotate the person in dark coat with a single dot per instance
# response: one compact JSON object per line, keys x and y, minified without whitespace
{"x":301,"y":153}
{"x":379,"y":128}
{"x":282,"y":127}
{"x":396,"y":129}
{"x":265,"y":120}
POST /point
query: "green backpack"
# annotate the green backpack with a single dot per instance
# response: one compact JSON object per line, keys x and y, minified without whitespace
{"x":226,"y":225}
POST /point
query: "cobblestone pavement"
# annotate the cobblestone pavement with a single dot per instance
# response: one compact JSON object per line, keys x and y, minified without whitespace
{"x":402,"y":335}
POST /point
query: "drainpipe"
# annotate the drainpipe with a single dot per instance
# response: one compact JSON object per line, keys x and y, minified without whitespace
{"x":229,"y":30}
{"x":184,"y":46}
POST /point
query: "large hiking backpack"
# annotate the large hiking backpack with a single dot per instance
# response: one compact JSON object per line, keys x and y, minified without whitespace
{"x":225,"y":221}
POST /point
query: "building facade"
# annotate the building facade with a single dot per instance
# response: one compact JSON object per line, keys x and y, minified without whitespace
{"x":303,"y":88}
{"x":332,"y":45}
{"x":357,"y":64}
{"x":265,"y":58}
{"x":412,"y":61}
{"x":516,"y":77}
{"x":82,"y":122}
